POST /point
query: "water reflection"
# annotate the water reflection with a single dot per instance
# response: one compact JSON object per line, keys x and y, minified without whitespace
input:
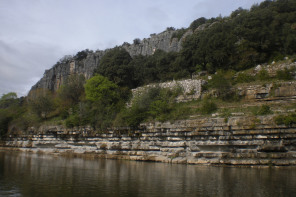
{"x":43,"y":175}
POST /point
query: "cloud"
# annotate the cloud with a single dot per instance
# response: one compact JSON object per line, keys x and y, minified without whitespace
{"x":22,"y":63}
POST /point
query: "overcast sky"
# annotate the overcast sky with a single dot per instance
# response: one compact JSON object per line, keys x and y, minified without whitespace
{"x":35,"y":34}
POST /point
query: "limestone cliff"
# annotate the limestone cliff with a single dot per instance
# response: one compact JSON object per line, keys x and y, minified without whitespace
{"x":53,"y":78}
{"x":163,"y":41}
{"x":56,"y":76}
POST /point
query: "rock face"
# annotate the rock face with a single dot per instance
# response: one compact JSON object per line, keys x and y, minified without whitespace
{"x":163,"y":41}
{"x":240,"y":140}
{"x":57,"y":75}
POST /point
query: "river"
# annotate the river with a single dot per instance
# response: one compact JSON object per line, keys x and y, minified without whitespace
{"x":24,"y":174}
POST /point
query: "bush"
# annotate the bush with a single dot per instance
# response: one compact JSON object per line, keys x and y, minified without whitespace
{"x":287,"y":120}
{"x":244,"y":78}
{"x":264,"y":110}
{"x":72,"y":121}
{"x":137,"y":41}
{"x":223,"y":87}
{"x":81,"y":55}
{"x":263,"y":75}
{"x":4,"y":122}
{"x":284,"y":74}
{"x":179,"y":33}
{"x":208,"y":107}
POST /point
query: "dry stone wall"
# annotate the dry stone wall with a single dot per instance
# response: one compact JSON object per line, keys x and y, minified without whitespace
{"x":191,"y":88}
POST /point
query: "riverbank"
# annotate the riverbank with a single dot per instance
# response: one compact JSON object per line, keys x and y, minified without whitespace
{"x":240,"y":140}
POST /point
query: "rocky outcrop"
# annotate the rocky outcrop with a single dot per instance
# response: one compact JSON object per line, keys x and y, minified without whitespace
{"x":57,"y":75}
{"x":240,"y":140}
{"x":269,"y":91}
{"x":163,"y":41}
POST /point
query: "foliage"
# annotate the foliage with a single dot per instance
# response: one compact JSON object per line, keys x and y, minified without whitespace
{"x":244,"y":78}
{"x":115,"y":66}
{"x":11,"y":109}
{"x":71,"y":92}
{"x":263,"y":75}
{"x":208,"y":107}
{"x":99,"y":88}
{"x":179,"y":33}
{"x":265,"y":33}
{"x":284,"y":74}
{"x":170,"y":29}
{"x":222,"y":86}
{"x":72,"y":121}
{"x":81,"y":55}
{"x":196,"y":23}
{"x":154,"y":103}
{"x":264,"y":110}
{"x":105,"y":102}
{"x":287,"y":120}
{"x":41,"y":103}
{"x":4,"y":122}
{"x":8,"y":99}
{"x":65,"y":59}
{"x":246,"y":38}
{"x":137,"y":41}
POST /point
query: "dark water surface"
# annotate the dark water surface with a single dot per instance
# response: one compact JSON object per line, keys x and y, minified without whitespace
{"x":23,"y":174}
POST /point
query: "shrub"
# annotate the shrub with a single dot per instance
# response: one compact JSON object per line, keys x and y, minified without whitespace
{"x":264,"y":110}
{"x":208,"y":107}
{"x":72,"y":121}
{"x":137,"y":41}
{"x":244,"y":78}
{"x":221,"y":84}
{"x":4,"y":122}
{"x":287,"y":120}
{"x":263,"y":75}
{"x":284,"y":74}
{"x":81,"y":55}
{"x":179,"y":33}
{"x":158,"y":109}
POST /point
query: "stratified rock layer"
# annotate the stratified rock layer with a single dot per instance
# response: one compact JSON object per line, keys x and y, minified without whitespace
{"x":241,"y":140}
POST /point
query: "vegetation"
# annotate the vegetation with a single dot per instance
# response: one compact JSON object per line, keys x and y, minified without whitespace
{"x":222,"y":47}
{"x":287,"y":120}
{"x":208,"y":107}
{"x":263,"y":110}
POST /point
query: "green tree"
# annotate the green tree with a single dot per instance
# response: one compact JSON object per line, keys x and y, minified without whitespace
{"x":115,"y":66}
{"x":5,"y":119}
{"x":99,"y":88}
{"x":196,"y":23}
{"x":105,"y":101}
{"x":73,"y":89}
{"x":222,"y":86}
{"x":41,"y":102}
{"x":8,"y":99}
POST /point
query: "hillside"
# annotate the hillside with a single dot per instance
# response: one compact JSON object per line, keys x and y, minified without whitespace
{"x":92,"y":89}
{"x":253,"y":124}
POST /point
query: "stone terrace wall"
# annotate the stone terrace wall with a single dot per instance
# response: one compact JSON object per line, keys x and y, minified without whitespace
{"x":191,"y":88}
{"x":239,"y":141}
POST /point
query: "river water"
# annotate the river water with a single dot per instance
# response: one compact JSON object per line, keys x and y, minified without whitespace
{"x":23,"y":174}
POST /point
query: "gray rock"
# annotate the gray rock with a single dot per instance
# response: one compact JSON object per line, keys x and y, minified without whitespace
{"x":56,"y":76}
